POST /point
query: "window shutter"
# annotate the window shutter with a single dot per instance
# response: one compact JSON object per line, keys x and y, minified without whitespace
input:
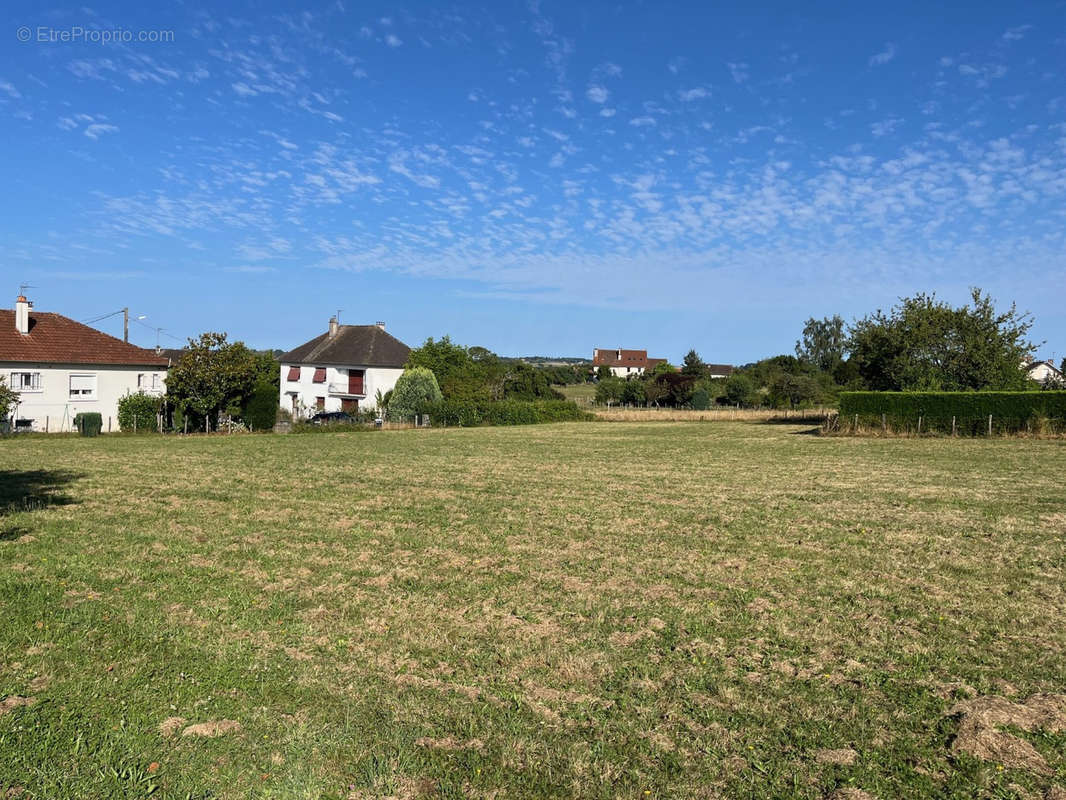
{"x":294,"y":374}
{"x":320,"y":375}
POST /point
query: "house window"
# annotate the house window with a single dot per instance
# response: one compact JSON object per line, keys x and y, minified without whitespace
{"x":157,"y":381}
{"x":320,"y":375}
{"x":25,"y":381}
{"x":294,"y":374}
{"x":82,"y":387}
{"x":320,"y":403}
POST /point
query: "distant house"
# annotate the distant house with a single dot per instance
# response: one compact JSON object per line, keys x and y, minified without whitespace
{"x":341,"y":370}
{"x":624,"y":363}
{"x":719,"y":370}
{"x":1044,"y":372}
{"x":61,"y":367}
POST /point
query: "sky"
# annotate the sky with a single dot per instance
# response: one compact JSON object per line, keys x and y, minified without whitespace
{"x":539,"y":178}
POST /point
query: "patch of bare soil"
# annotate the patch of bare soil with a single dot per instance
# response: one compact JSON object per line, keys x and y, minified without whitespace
{"x":983,"y":719}
{"x":15,"y":701}
{"x":450,"y":743}
{"x":851,"y":794}
{"x":844,"y":756}
{"x":170,"y":726}
{"x":213,"y":728}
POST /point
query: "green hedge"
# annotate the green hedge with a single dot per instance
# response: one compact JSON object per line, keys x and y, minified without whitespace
{"x":1011,"y":412}
{"x":505,"y":412}
{"x":89,"y":423}
{"x":138,"y":412}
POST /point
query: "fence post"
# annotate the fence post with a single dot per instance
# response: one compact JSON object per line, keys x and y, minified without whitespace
{"x":919,"y":424}
{"x":186,"y":426}
{"x":989,"y":424}
{"x":884,"y":424}
{"x":952,"y":426}
{"x":134,"y":423}
{"x":46,"y":423}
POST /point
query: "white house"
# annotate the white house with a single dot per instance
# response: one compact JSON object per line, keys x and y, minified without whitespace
{"x":1044,"y":372}
{"x":624,"y":363}
{"x":341,"y":370}
{"x":61,"y":367}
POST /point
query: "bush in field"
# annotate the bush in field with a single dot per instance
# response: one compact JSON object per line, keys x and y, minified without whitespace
{"x":609,"y":390}
{"x":138,"y":412}
{"x":8,"y":399}
{"x":261,"y":410}
{"x":740,"y":391}
{"x":415,"y":390}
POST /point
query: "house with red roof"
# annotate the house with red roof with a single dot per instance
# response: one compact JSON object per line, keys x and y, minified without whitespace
{"x":342,"y":369}
{"x":61,"y":367}
{"x":624,"y":363}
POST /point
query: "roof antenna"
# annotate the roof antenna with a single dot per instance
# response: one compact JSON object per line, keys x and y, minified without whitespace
{"x":24,"y":286}
{"x":339,"y":310}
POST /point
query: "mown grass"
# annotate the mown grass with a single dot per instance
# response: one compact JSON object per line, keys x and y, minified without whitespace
{"x":575,"y":610}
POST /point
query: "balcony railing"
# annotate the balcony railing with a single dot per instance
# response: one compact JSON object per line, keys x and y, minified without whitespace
{"x":345,"y":389}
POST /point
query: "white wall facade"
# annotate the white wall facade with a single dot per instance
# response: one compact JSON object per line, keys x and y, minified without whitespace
{"x":1044,"y":372}
{"x":334,"y":389}
{"x":625,"y":372}
{"x":64,"y":390}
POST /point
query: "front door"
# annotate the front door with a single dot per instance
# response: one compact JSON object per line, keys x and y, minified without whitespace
{"x":355,"y":381}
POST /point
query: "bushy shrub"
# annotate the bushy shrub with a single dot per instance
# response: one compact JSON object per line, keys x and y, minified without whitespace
{"x":261,"y":411}
{"x":138,"y":411}
{"x":89,"y":423}
{"x":415,"y":389}
{"x":504,"y":412}
{"x":1010,"y":411}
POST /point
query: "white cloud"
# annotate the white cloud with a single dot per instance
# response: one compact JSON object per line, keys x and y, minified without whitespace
{"x":392,"y":40}
{"x":688,"y":95}
{"x":607,"y":112}
{"x":886,"y":55}
{"x":1015,"y":34}
{"x":642,"y":122}
{"x":9,"y":89}
{"x":597,"y":94}
{"x":97,"y":129}
{"x":739,"y":71}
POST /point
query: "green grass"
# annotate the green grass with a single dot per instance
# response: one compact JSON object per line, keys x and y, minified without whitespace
{"x":576,"y":610}
{"x":580,"y":393}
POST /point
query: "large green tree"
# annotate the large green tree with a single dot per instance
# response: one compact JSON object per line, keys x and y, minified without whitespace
{"x":693,"y":365}
{"x":213,"y":375}
{"x":414,"y":390}
{"x":824,"y":343}
{"x":926,"y":344}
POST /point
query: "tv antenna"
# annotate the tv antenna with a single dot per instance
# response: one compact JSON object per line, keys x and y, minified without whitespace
{"x":24,"y":286}
{"x":339,"y":310}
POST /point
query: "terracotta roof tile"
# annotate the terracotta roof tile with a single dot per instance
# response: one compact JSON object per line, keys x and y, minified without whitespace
{"x":55,"y":339}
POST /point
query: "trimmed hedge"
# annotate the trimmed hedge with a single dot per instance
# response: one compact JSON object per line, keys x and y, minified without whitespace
{"x":261,"y":411}
{"x":1011,"y":412}
{"x":89,"y":423}
{"x":138,"y":411}
{"x":468,"y":413}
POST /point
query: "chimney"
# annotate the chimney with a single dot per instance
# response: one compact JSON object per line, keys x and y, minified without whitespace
{"x":333,"y":327}
{"x":22,"y":315}
{"x":380,"y":324}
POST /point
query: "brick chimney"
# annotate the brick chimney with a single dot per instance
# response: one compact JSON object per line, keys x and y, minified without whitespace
{"x":333,"y":326}
{"x":22,"y":315}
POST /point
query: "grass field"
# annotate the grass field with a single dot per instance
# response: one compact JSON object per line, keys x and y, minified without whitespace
{"x":581,"y":393}
{"x":579,"y":610}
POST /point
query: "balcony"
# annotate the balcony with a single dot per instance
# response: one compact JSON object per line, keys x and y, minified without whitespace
{"x":346,"y":389}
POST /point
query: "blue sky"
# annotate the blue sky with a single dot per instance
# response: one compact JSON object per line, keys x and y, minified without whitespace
{"x":537,"y":178}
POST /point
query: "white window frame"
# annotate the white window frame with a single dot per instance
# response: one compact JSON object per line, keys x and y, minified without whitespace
{"x":82,"y":394}
{"x":35,"y":378}
{"x":157,"y":382}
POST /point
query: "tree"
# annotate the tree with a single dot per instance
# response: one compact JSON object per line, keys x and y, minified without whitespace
{"x":138,"y":411}
{"x":823,"y":344}
{"x":633,"y":393}
{"x":9,"y":399}
{"x":693,"y":365}
{"x":924,"y":344}
{"x":212,"y":375}
{"x":739,"y":390}
{"x":603,"y":372}
{"x":609,"y":390}
{"x":414,"y":390}
{"x":442,"y":357}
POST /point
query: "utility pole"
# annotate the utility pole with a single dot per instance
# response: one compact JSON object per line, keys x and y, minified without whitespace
{"x":126,"y":325}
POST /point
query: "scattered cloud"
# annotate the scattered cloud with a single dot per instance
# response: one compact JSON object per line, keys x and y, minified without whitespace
{"x":883,"y":57}
{"x":597,"y":94}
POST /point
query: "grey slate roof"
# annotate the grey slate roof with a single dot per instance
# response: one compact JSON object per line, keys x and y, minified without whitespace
{"x":354,"y":345}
